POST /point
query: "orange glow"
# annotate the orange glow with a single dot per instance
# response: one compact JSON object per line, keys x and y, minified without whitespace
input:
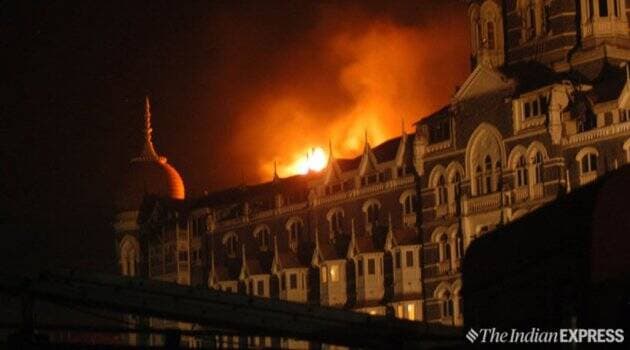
{"x":315,"y":160}
{"x":352,"y":76}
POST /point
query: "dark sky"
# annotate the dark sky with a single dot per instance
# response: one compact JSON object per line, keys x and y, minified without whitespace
{"x":75,"y":74}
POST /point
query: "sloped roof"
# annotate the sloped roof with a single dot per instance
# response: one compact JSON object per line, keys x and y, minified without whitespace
{"x":406,"y":236}
{"x":228,"y":270}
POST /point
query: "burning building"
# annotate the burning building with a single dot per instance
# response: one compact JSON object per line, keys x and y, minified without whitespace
{"x":545,"y":110}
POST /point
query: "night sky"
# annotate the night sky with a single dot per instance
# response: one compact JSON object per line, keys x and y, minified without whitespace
{"x":234,"y":85}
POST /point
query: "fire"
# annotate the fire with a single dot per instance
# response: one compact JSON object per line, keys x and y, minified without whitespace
{"x":348,"y":78}
{"x":315,"y":160}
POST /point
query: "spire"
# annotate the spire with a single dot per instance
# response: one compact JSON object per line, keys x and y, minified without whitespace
{"x":275,"y":171}
{"x":402,"y":126}
{"x":352,"y":231}
{"x":330,"y":150}
{"x":391,"y":227}
{"x":212,"y":272}
{"x":148,"y":151}
{"x":275,"y":248}
{"x":316,"y":237}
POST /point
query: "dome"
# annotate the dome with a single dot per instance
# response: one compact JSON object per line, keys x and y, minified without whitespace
{"x":149,"y":177}
{"x":148,"y":174}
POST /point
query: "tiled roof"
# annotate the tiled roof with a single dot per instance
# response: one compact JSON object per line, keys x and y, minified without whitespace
{"x":386,"y":151}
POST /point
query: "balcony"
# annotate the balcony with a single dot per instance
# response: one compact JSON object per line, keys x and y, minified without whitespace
{"x":598,"y":133}
{"x":482,"y":203}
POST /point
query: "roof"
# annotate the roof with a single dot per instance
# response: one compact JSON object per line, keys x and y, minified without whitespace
{"x":229,"y":270}
{"x":406,"y":236}
{"x":440,"y":113}
{"x":608,"y":85}
{"x":531,"y":75}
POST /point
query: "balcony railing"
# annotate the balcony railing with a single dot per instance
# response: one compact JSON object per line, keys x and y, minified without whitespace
{"x":483,"y":203}
{"x":597,"y":133}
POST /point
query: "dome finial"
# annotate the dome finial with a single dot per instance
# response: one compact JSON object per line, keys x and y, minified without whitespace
{"x":148,"y":151}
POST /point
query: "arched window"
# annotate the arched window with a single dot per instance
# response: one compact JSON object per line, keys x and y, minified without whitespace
{"x":372,"y":214}
{"x":479,"y":178}
{"x":521,"y":172}
{"x":296,"y":230}
{"x":264,"y":237}
{"x":441,"y":195}
{"x":445,"y":248}
{"x":409,"y":204}
{"x":490,"y":34}
{"x":487,"y":175}
{"x":589,"y":163}
{"x":538,"y":166}
{"x":230,"y":240}
{"x":336,"y":223}
{"x":447,"y":305}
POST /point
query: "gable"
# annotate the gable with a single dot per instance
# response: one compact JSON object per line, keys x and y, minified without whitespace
{"x":482,"y":80}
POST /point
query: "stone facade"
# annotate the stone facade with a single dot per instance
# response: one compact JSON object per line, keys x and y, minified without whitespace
{"x":546,"y":109}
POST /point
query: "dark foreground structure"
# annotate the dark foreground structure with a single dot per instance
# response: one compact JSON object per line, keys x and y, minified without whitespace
{"x":566,"y":265}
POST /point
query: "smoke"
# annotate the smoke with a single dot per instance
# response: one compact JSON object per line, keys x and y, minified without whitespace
{"x":355,"y":72}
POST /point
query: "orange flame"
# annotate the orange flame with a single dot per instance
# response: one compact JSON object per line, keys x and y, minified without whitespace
{"x":364,"y":75}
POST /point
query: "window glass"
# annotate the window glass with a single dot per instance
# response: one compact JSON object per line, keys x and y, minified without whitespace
{"x":360,"y":267}
{"x":261,"y":288}
{"x":324,"y":274}
{"x":409,"y":255}
{"x":397,"y":259}
{"x":334,"y":273}
{"x":293,"y":281}
{"x":411,"y":311}
{"x":603,"y":8}
{"x":371,"y":267}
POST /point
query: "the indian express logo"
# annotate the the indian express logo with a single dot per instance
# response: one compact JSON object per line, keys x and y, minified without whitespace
{"x":536,"y":335}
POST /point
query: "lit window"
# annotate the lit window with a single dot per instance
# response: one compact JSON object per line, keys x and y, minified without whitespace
{"x":334,"y":273}
{"x":411,"y":311}
{"x":399,"y":311}
{"x":324,"y":274}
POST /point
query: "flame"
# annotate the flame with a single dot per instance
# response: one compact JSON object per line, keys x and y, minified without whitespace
{"x":352,"y":76}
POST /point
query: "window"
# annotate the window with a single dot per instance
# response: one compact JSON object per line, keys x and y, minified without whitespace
{"x":487,"y":175}
{"x":371,"y":267}
{"x":372,"y":213}
{"x":460,"y":247}
{"x":616,"y":7}
{"x":603,"y":8}
{"x":528,"y":111}
{"x":608,"y":118}
{"x":591,"y":9}
{"x":324,"y":273}
{"x":283,"y":282}
{"x":441,"y":191}
{"x":479,"y":178}
{"x":231,"y":242}
{"x":447,"y":305}
{"x":336,"y":223}
{"x":537,"y":163}
{"x":360,"y":267}
{"x":399,"y":311}
{"x":260,"y":288}
{"x":264,"y":236}
{"x":589,"y":163}
{"x":446,"y":248}
{"x":490,"y":33}
{"x":409,"y":204}
{"x":411,"y":311}
{"x":440,"y":131}
{"x":624,"y":115}
{"x":334,"y":273}
{"x":397,"y":259}
{"x":409,"y":256}
{"x":295,"y":232}
{"x":199,"y":226}
{"x":521,"y":172}
{"x":293,"y":281}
